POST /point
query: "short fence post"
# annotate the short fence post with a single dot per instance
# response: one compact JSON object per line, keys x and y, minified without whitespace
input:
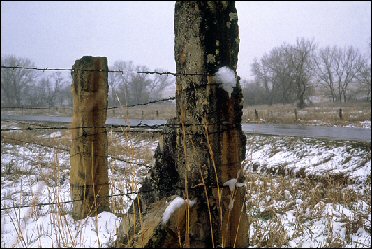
{"x":89,"y":183}
{"x":340,"y":113}
{"x":255,"y":114}
{"x":295,"y":112}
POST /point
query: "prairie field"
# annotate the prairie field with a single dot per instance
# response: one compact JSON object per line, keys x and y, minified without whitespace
{"x":326,"y":114}
{"x":301,"y":192}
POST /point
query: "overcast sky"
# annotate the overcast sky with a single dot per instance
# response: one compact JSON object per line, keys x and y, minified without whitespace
{"x":55,"y":34}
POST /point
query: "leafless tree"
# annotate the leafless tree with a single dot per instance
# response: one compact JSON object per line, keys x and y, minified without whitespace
{"x":286,"y":72}
{"x":15,"y":83}
{"x":139,"y":86}
{"x":324,"y":69}
{"x":119,"y":82}
{"x":364,"y":78}
{"x":131,"y":87}
{"x":159,"y":83}
{"x":349,"y":65}
{"x":337,"y":68}
{"x":301,"y":67}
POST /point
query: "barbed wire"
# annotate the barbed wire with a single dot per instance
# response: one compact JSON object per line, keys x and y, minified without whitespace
{"x":139,"y":129}
{"x":64,"y":149}
{"x":155,"y":127}
{"x":109,"y":108}
{"x":103,"y":70}
{"x":146,"y":103}
{"x":176,"y":74}
{"x":71,"y":201}
{"x":31,"y":107}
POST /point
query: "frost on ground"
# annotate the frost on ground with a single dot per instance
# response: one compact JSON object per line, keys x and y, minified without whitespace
{"x":300,"y":193}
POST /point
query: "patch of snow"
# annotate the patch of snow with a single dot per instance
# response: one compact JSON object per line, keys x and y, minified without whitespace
{"x":227,"y":77}
{"x":366,"y":124}
{"x":174,"y":205}
{"x":55,"y":134}
{"x":231,"y":183}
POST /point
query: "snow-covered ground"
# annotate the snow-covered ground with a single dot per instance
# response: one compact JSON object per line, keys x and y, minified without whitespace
{"x":306,"y":212}
{"x":285,"y":206}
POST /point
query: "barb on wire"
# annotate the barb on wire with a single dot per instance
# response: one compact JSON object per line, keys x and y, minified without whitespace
{"x":139,"y":126}
{"x":102,"y":70}
{"x":61,"y":69}
{"x":175,"y":74}
{"x":25,"y":107}
{"x":147,"y":103}
{"x":68,"y":150}
{"x":36,"y":68}
{"x":109,"y":108}
{"x":64,"y":202}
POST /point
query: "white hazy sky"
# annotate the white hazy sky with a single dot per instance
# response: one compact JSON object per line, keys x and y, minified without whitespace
{"x":55,"y":34}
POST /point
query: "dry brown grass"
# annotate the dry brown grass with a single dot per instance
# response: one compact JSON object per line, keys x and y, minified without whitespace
{"x":326,"y":113}
{"x":264,"y":192}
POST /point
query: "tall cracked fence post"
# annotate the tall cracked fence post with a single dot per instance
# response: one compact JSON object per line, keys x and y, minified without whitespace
{"x":210,"y":141}
{"x":198,"y":181}
{"x":89,"y":183}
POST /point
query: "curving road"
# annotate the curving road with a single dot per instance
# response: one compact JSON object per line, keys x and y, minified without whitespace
{"x":333,"y":133}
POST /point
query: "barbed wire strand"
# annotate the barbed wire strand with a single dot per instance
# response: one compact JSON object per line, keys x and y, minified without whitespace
{"x":64,"y":202}
{"x":103,"y":70}
{"x":155,"y":127}
{"x":64,"y":149}
{"x":109,"y":108}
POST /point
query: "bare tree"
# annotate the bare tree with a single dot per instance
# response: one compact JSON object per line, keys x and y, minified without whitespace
{"x":348,"y":65}
{"x":16,"y":82}
{"x":364,"y":78}
{"x":263,"y":77}
{"x":286,"y":72}
{"x":58,"y":82}
{"x":139,"y":86}
{"x":324,"y":69}
{"x":158,"y":84}
{"x":119,"y":83}
{"x":300,"y":64}
{"x":337,"y":68}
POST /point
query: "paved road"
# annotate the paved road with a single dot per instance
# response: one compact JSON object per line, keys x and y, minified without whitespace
{"x":333,"y":133}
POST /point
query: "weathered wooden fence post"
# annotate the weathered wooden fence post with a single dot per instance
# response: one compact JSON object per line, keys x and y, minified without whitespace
{"x":89,"y":184}
{"x":210,"y":142}
{"x":201,"y":151}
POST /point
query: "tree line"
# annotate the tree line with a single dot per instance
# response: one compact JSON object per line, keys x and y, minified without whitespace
{"x":291,"y":73}
{"x":24,"y":87}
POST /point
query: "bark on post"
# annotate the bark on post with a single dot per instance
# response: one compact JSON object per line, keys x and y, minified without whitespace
{"x":210,"y":142}
{"x":89,"y":183}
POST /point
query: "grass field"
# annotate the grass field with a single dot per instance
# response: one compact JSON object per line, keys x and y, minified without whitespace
{"x":353,"y":114}
{"x":300,"y":192}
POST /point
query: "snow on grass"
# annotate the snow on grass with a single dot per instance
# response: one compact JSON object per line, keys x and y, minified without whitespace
{"x":30,"y":175}
{"x":283,"y":210}
{"x":312,"y":157}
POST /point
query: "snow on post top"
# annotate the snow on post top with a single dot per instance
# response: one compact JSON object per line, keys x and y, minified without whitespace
{"x":227,"y":77}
